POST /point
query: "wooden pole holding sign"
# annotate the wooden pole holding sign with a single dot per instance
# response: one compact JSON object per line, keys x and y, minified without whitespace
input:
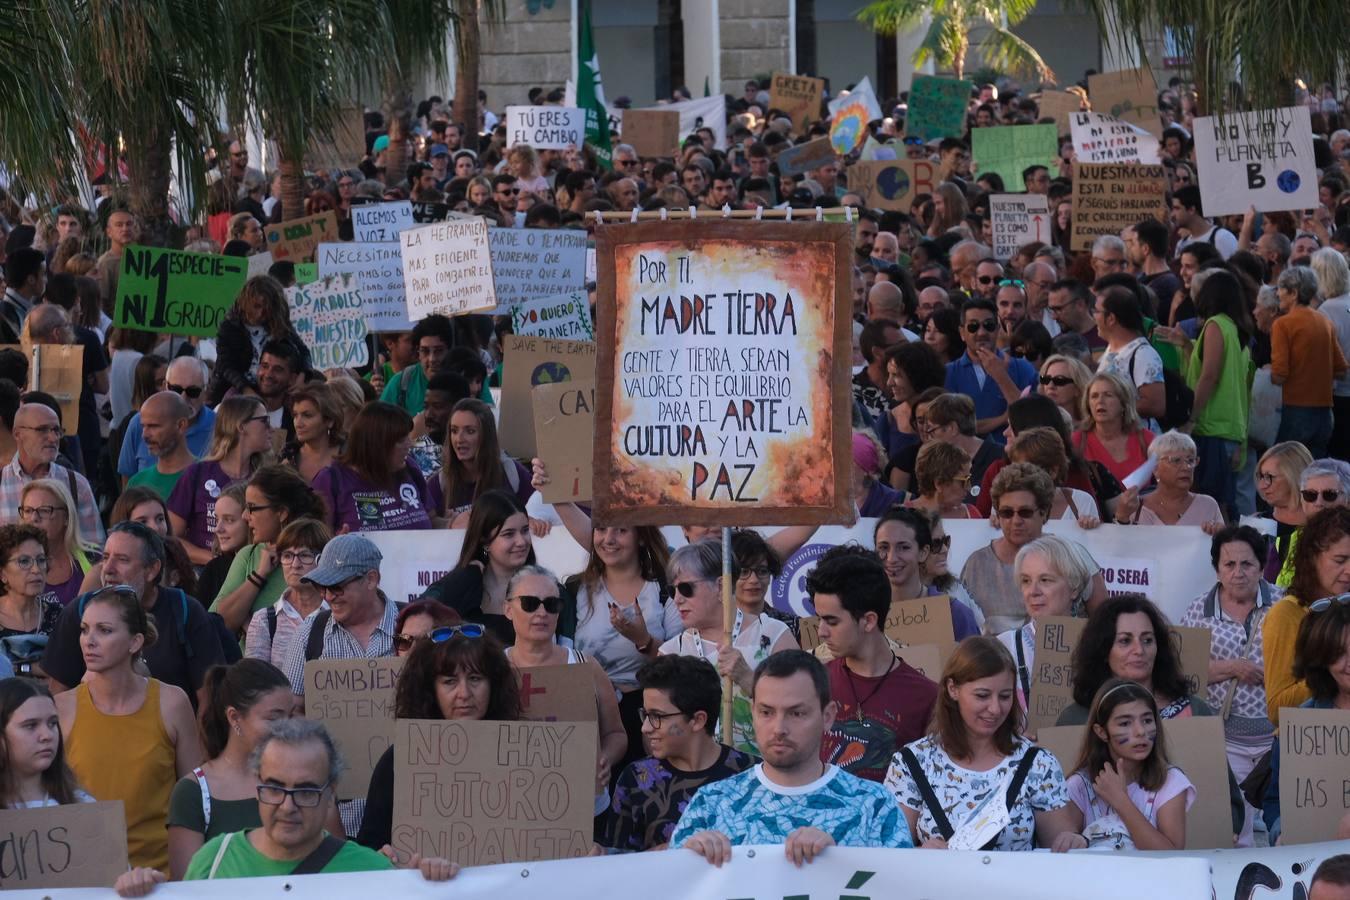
{"x":728,"y":623}
{"x":789,"y":215}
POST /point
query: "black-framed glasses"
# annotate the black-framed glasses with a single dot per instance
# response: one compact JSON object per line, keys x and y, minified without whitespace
{"x":530,"y":603}
{"x":986,"y":279}
{"x":1057,"y":380}
{"x":252,"y":508}
{"x":760,"y":572}
{"x":190,"y":391}
{"x":470,"y":630}
{"x":655,"y":719}
{"x":303,"y":797}
{"x":1022,"y":512}
{"x":989,"y":325}
{"x":508,"y":190}
{"x":303,"y":557}
{"x":39,"y":513}
{"x":1266,"y":477}
{"x":337,"y":590}
{"x":262,"y":418}
{"x":687,"y":588}
{"x":1326,"y":603}
{"x":1330,"y":495}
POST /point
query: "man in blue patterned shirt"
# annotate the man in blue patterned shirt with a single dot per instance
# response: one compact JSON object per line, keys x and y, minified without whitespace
{"x":792,"y":798}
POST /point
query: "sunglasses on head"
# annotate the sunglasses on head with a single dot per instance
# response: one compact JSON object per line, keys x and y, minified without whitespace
{"x":1328,"y":496}
{"x":471,"y":631}
{"x":531,"y":603}
{"x":1326,"y":603}
{"x":1011,"y":282}
{"x":989,"y":325}
{"x":1057,"y":380}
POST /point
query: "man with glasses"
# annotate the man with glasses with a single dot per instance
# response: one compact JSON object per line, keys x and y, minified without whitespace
{"x":165,"y":418}
{"x":988,"y":273}
{"x":984,"y":373}
{"x":297,"y":765}
{"x":186,"y":377}
{"x":681,"y":696}
{"x":1108,"y":256}
{"x":37,"y":440}
{"x":239,"y":168}
{"x":1071,"y":305}
{"x":1324,"y":483}
{"x":1037,"y":279}
{"x":433,"y":337}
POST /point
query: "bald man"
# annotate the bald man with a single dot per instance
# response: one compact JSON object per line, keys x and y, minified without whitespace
{"x":886,"y":301}
{"x":1037,"y":278}
{"x":886,"y":247}
{"x":186,"y":377}
{"x":37,"y":440}
{"x":165,"y":419}
{"x":931,"y":299}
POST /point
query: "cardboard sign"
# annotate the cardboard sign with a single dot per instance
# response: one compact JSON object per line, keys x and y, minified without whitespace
{"x":379,"y":273}
{"x":850,"y":115}
{"x":328,"y":317}
{"x":479,"y":793}
{"x":1110,"y":197}
{"x":1051,"y":673}
{"x":803,"y":158}
{"x":447,"y":269}
{"x":1314,"y":773}
{"x":1009,"y":150}
{"x":922,"y":620}
{"x":381,"y":222}
{"x":354,"y":699}
{"x":560,"y":316}
{"x":80,"y":845}
{"x":57,"y":369}
{"x":1262,"y":159}
{"x":1058,"y":106}
{"x":652,"y":132}
{"x":298,"y":239}
{"x":892,"y":184}
{"x":546,"y":127}
{"x":703,"y":112}
{"x":306,"y":272}
{"x":1195,"y":745}
{"x":564,"y":414}
{"x":937,"y":107}
{"x":1018,"y":219}
{"x":171,"y":292}
{"x":1102,"y":139}
{"x":528,"y":362}
{"x":1192,"y":645}
{"x":535,"y":262}
{"x":558,"y":694}
{"x":722,"y":383}
{"x":1130,"y":95}
{"x":798,"y":96}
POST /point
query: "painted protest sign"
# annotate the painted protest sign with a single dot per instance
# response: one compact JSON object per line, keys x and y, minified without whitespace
{"x":447,"y":268}
{"x":1058,"y":106}
{"x":381,"y":222}
{"x":528,"y":362}
{"x":328,"y":317}
{"x":426,"y":212}
{"x":1051,"y":675}
{"x":721,"y":388}
{"x":297,"y":240}
{"x":354,"y":699}
{"x":1018,"y":219}
{"x":802,"y":158}
{"x":562,"y":316}
{"x":566,"y":413}
{"x":171,"y":292}
{"x":937,"y":107}
{"x":1130,"y":95}
{"x":892,"y":184}
{"x":1195,"y":745}
{"x":378,"y":268}
{"x":558,"y":693}
{"x":306,"y":272}
{"x":79,"y":845}
{"x":1008,"y":150}
{"x":1314,"y":772}
{"x":798,"y":96}
{"x":850,"y":115}
{"x":921,"y":620}
{"x":536,"y":262}
{"x":1262,"y":159}
{"x":1110,"y":196}
{"x":478,"y":792}
{"x":652,"y":132}
{"x":1102,"y":139}
{"x":546,"y":127}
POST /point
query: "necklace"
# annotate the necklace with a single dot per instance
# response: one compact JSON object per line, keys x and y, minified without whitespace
{"x":853,"y":689}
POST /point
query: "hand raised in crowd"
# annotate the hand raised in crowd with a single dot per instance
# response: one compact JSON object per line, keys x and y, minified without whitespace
{"x":995,"y":366}
{"x":805,"y":844}
{"x":714,"y":846}
{"x":634,"y":629}
{"x":138,"y":882}
{"x":538,"y":474}
{"x":1127,"y":506}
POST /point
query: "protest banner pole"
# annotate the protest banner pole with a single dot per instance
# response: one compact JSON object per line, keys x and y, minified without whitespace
{"x":728,"y":622}
{"x":790,"y":215}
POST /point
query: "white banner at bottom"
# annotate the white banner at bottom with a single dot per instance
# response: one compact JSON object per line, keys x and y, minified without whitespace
{"x":762,"y":873}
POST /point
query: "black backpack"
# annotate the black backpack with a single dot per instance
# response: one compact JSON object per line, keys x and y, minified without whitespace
{"x":1179,"y":399}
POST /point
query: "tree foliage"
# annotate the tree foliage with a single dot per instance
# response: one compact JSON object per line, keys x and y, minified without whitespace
{"x":947,"y":40}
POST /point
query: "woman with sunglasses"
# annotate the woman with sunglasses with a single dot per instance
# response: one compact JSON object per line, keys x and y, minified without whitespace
{"x":455,"y":672}
{"x":46,"y":503}
{"x":1021,"y":495}
{"x":28,"y":611}
{"x":903,"y":538}
{"x":1278,"y":475}
{"x":937,"y":577}
{"x":533,"y":602}
{"x":1043,"y":448}
{"x":418,"y":620}
{"x":297,"y":550}
{"x":240,"y":437}
{"x":942,"y":476}
{"x":1065,"y":380}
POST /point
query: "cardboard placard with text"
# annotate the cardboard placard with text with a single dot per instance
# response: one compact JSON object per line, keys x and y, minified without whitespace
{"x":798,"y":96}
{"x":1058,"y":106}
{"x":803,"y":158}
{"x":1130,"y":95}
{"x":1192,"y":646}
{"x":1018,"y":219}
{"x":528,"y":362}
{"x":937,"y":107}
{"x":1196,"y":746}
{"x":927,"y":658}
{"x":1314,"y":773}
{"x":1263,"y":159}
{"x":1051,"y":675}
{"x":652,"y":132}
{"x":79,"y":845}
{"x":546,"y":127}
{"x":1108,"y":197}
{"x":479,"y":792}
{"x":558,"y":693}
{"x":921,"y":620}
{"x":565,"y":413}
{"x":447,"y":268}
{"x":297,"y":240}
{"x":892,"y":184}
{"x":354,"y":699}
{"x":58,"y":370}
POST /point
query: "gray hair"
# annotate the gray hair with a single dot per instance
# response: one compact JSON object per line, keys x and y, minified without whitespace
{"x":531,"y":571}
{"x":626,"y":148}
{"x":1333,"y":467}
{"x":47,"y":320}
{"x":1069,"y":558}
{"x":1107,"y":242}
{"x":701,"y":559}
{"x":1333,"y":275}
{"x":1267,"y":297}
{"x":296,"y":733}
{"x":193,"y":361}
{"x":1171,"y":442}
{"x":1300,"y":280}
{"x":1339,"y":133}
{"x":1199,"y":278}
{"x":1054,"y":253}
{"x":1280,"y":244}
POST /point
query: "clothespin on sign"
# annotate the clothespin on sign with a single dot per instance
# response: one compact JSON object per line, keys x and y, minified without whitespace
{"x":634,"y":216}
{"x":759,"y":213}
{"x":726,"y":211}
{"x":820,"y":214}
{"x":789,"y":215}
{"x":663,"y":214}
{"x":693,"y":213}
{"x":599,"y":219}
{"x":848,"y":214}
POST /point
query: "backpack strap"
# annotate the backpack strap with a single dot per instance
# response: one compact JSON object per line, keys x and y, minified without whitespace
{"x":319,"y":857}
{"x":200,"y":775}
{"x":944,"y":826}
{"x":1067,"y":494}
{"x":1022,"y":670}
{"x":182,"y":623}
{"x":272,"y":623}
{"x":314,"y":645}
{"x":1015,"y":787}
{"x":220,"y":854}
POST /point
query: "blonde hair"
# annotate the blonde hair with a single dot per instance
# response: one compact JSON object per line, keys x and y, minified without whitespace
{"x":1291,"y":458}
{"x":71,"y":539}
{"x":938,"y":462}
{"x":1123,"y":391}
{"x":231,"y":415}
{"x":1069,"y":558}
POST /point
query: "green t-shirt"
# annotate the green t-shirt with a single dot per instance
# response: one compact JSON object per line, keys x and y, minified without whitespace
{"x":1225,"y":415}
{"x":156,"y":481}
{"x":185,"y":810}
{"x":245,"y":561}
{"x":415,"y":397}
{"x":241,"y":860}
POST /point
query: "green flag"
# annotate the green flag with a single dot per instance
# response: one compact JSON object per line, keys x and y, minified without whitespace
{"x":590,"y":92}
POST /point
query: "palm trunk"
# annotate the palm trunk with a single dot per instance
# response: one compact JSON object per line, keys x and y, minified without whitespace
{"x":149,"y":167}
{"x":466,"y":69}
{"x":398,"y":110}
{"x":292,"y":180}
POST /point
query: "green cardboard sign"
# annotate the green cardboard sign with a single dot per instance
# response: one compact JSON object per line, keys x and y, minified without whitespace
{"x":306,"y":273}
{"x":171,"y":292}
{"x":937,"y":107}
{"x":1009,"y":149}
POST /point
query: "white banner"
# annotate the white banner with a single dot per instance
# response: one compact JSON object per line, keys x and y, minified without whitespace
{"x":1103,"y":139}
{"x":1262,"y":159}
{"x":1018,"y":219}
{"x":705,"y":112}
{"x":545,"y":127}
{"x":378,"y":268}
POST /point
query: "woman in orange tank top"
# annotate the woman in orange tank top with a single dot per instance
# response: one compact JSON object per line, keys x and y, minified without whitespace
{"x":128,"y":737}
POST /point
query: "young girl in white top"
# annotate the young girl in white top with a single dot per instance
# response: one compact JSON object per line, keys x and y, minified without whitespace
{"x":1125,"y":795}
{"x":34,"y":772}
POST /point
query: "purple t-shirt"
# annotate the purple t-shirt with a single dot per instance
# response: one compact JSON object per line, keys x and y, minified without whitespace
{"x":464,"y":493}
{"x":194,"y":499}
{"x":362,"y":506}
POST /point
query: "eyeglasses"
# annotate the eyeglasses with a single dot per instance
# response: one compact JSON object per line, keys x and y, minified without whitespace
{"x":1022,"y":512}
{"x":405,"y":641}
{"x":962,"y":480}
{"x":687,"y":588}
{"x":252,"y":508}
{"x":337,"y":590}
{"x":1011,"y":282}
{"x":1185,"y":462}
{"x":190,"y":391}
{"x":472,"y":631}
{"x":1113,"y":263}
{"x":530,"y":603}
{"x":303,"y":557}
{"x":760,"y":572}
{"x":508,"y":190}
{"x":30,"y":562}
{"x":262,"y":418}
{"x":1266,"y":477}
{"x":654,"y":718}
{"x":942,"y":544}
{"x":626,"y":163}
{"x":1328,"y":496}
{"x":1326,"y":603}
{"x":55,"y":431}
{"x":989,"y":325}
{"x":1057,"y":380}
{"x":304,"y":797}
{"x":39,"y":513}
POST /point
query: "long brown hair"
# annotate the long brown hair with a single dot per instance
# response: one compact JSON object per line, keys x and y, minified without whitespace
{"x":58,"y":780}
{"x":1096,"y":751}
{"x":1325,"y":528}
{"x":486,"y":472}
{"x":653,"y":555}
{"x":377,"y":428}
{"x":490,"y":512}
{"x":974,"y":658}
